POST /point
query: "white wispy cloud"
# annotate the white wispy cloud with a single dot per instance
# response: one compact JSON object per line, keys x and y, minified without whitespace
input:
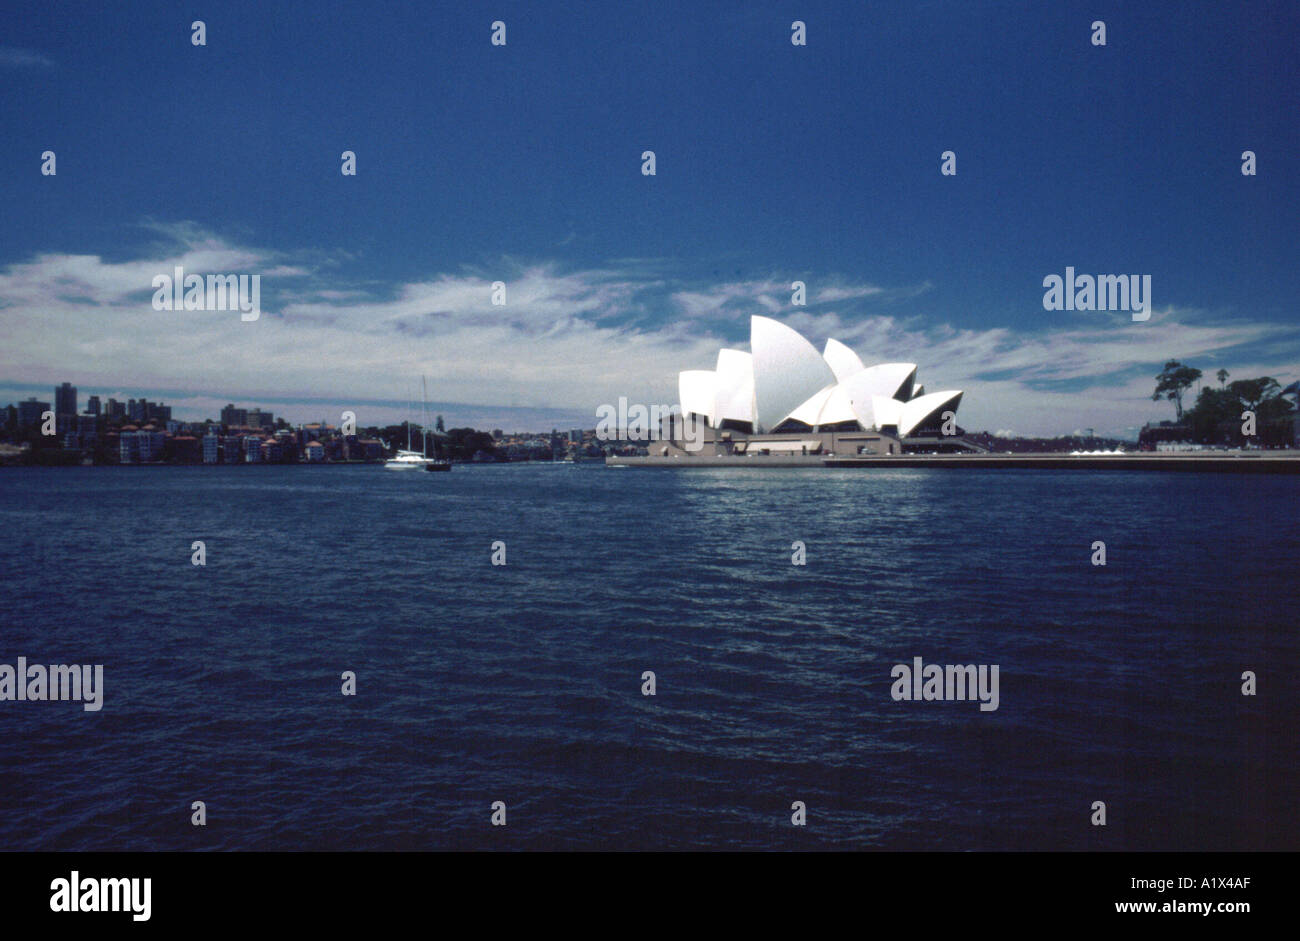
{"x":565,"y":340}
{"x":11,"y":58}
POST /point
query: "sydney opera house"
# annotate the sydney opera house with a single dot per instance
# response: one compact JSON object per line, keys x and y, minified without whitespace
{"x":785,"y":398}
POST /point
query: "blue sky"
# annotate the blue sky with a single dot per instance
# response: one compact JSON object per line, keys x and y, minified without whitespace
{"x":522,"y":163}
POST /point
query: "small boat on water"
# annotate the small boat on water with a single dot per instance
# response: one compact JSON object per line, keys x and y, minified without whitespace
{"x":409,"y":459}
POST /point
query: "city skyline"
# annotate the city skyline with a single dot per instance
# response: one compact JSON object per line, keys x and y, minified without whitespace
{"x":141,"y":411}
{"x":192,"y":409}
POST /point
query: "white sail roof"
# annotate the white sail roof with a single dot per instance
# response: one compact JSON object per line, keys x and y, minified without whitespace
{"x":734,"y":392}
{"x":886,"y":410}
{"x":695,"y":388}
{"x":883,"y":381}
{"x":918,"y":410}
{"x":838,"y":408}
{"x":842,"y":360}
{"x":891,"y":379}
{"x":787,"y":371}
{"x":785,"y":378}
{"x":810,"y":411}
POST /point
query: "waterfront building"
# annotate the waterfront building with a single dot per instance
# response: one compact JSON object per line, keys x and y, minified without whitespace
{"x":87,"y":429}
{"x":183,"y":449}
{"x":783,"y":397}
{"x":151,"y":444}
{"x":30,"y":412}
{"x":128,"y":445}
{"x":65,"y":399}
{"x":140,"y":446}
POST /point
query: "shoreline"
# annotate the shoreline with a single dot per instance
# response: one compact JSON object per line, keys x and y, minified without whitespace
{"x":1250,"y":462}
{"x":1255,"y":462}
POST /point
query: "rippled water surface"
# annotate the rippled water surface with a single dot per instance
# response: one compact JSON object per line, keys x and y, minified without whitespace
{"x":522,"y":683}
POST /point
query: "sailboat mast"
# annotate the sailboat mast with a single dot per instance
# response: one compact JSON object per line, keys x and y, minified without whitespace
{"x":424,"y":403}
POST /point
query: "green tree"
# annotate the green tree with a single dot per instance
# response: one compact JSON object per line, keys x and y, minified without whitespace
{"x":1223,"y":377}
{"x":462,"y":444}
{"x":1213,"y":412}
{"x":1216,"y":417}
{"x":1252,"y":392}
{"x":1172,"y":382}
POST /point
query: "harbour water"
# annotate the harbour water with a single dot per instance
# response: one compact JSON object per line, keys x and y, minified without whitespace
{"x":522,"y":683}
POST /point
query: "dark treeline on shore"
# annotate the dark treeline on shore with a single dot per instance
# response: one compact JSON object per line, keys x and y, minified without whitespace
{"x":1244,"y":412}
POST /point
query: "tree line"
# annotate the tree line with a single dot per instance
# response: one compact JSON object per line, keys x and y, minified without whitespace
{"x":1219,"y":413}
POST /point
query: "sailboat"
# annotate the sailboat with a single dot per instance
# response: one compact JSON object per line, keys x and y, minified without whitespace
{"x":417,"y":460}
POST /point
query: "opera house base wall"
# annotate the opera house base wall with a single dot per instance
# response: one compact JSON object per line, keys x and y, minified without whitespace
{"x":1238,"y":462}
{"x":719,"y":460}
{"x":724,"y":443}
